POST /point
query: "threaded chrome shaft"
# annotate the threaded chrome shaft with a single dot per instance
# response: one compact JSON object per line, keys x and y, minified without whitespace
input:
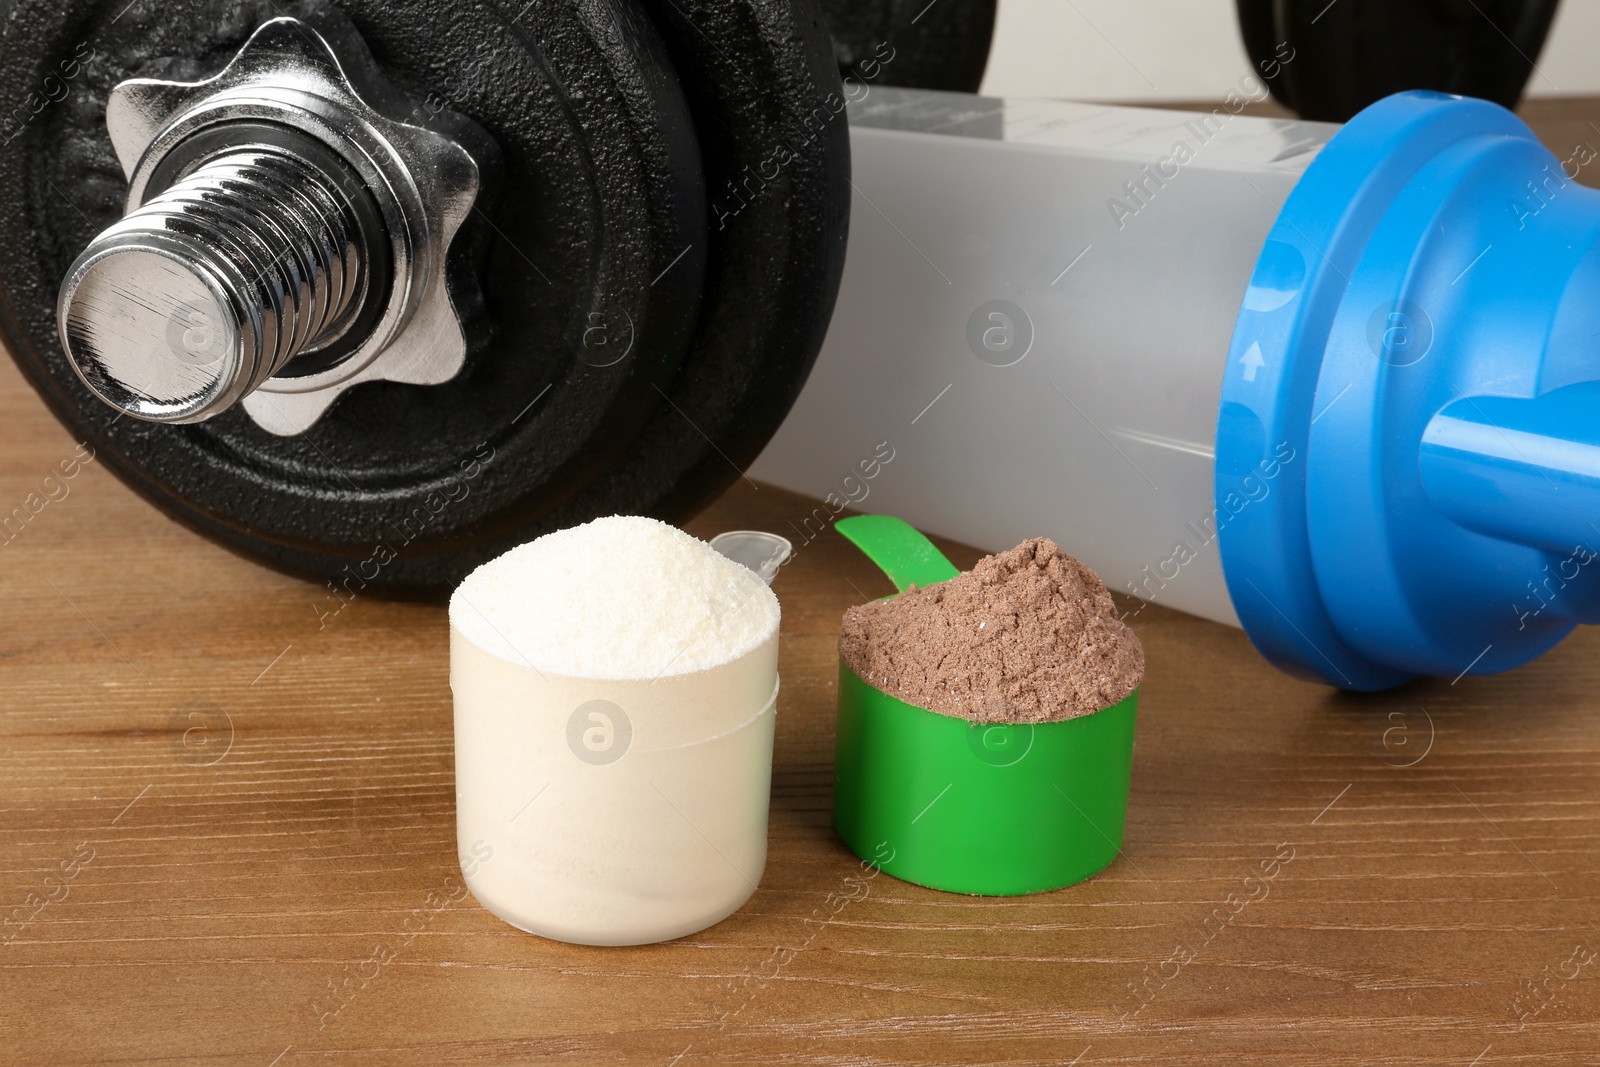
{"x":200,"y":294}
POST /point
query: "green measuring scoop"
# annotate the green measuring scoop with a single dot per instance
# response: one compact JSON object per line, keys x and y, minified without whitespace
{"x":992,"y":809}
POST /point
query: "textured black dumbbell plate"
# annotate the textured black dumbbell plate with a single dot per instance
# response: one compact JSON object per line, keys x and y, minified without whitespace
{"x":1356,"y":52}
{"x":920,"y":44}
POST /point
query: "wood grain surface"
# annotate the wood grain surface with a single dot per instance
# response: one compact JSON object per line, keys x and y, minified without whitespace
{"x":226,"y":837}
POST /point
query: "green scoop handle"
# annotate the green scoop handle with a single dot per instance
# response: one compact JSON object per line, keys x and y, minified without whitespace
{"x":899,"y":550}
{"x":984,"y":808}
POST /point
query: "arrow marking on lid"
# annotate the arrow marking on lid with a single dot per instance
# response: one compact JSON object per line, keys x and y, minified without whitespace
{"x":1253,"y":361}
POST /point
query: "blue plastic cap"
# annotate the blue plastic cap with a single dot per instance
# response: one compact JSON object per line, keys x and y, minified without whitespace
{"x":1417,"y":365}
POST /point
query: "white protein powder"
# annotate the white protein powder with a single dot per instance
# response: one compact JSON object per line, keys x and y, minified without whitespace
{"x":615,"y":694}
{"x":624,"y":597}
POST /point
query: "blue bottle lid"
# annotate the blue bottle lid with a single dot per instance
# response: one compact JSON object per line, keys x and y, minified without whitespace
{"x":1415,"y":376}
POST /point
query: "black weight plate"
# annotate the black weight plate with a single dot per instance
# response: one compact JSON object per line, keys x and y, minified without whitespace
{"x":602,"y":194}
{"x":1328,"y":61}
{"x":920,"y":44}
{"x":767,"y":101}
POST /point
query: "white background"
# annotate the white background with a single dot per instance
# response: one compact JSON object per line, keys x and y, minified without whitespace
{"x":1190,"y":49}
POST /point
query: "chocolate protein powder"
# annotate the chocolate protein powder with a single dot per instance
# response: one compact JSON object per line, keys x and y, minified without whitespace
{"x":1029,"y":635}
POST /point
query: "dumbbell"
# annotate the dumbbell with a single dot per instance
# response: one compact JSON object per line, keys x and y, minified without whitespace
{"x":1351,"y":53}
{"x":387,"y":287}
{"x":371,"y":291}
{"x":918,"y":44}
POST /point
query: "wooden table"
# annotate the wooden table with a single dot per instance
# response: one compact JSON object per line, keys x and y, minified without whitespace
{"x":219,"y":817}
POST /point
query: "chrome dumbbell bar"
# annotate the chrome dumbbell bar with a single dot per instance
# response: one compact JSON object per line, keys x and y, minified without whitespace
{"x":286,"y":237}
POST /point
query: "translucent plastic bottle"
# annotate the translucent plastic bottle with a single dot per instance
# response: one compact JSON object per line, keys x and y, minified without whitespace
{"x":1038,"y":299}
{"x":1332,"y":383}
